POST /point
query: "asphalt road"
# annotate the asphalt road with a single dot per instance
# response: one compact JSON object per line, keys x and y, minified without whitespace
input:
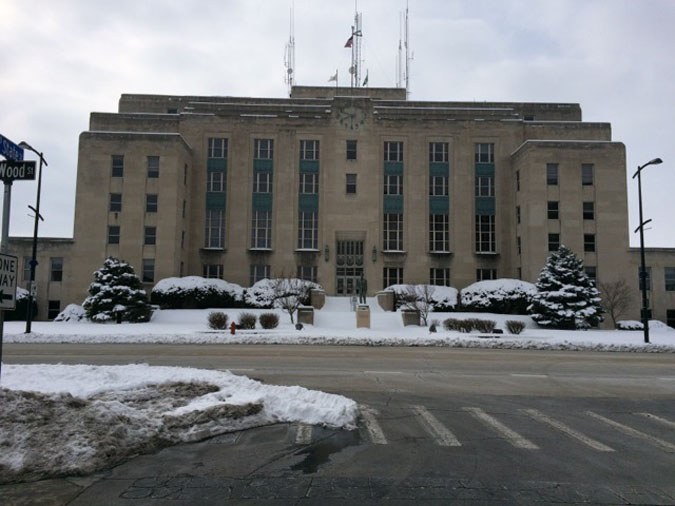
{"x":438,"y":426}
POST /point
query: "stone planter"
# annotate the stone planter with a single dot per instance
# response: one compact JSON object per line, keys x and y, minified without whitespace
{"x":317,"y":298}
{"x":410,"y":317}
{"x":306,"y":315}
{"x":386,"y":300}
{"x":362,"y":316}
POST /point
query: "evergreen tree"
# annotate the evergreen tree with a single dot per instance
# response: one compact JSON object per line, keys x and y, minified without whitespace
{"x":117,"y":294}
{"x":567,"y":298}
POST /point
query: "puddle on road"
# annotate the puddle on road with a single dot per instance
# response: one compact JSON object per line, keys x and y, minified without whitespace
{"x":319,"y":453}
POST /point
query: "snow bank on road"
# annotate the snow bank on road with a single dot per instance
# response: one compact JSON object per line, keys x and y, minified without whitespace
{"x":75,"y":419}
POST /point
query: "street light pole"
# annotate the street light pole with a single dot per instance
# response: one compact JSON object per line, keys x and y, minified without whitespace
{"x":643,"y":268}
{"x":38,"y":217}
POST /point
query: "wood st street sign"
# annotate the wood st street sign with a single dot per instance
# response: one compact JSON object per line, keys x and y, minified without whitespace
{"x":17,"y":171}
{"x":8,"y":276}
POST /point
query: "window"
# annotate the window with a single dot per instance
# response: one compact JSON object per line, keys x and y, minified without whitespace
{"x":438,"y":152}
{"x":670,"y":317}
{"x":115,"y":202}
{"x":517,"y":180}
{"x":215,"y":181}
{"x":485,"y":274}
{"x":648,"y":278}
{"x":263,"y":149}
{"x":214,"y":236}
{"x":552,"y":174}
{"x":518,"y":245}
{"x":439,"y":277}
{"x":309,"y":183}
{"x":350,"y":183}
{"x":151,"y":203}
{"x":439,"y":240}
{"x":262,"y":182}
{"x":392,"y":276}
{"x":484,"y":153}
{"x":589,"y":242}
{"x":669,"y":273}
{"x":393,"y":184}
{"x":113,"y":234}
{"x":213,"y":271}
{"x":261,"y":230}
{"x":589,"y":210}
{"x":53,"y":309}
{"x":217,"y":148}
{"x":552,"y":210}
{"x":117,"y":166}
{"x":309,"y":150}
{"x":587,"y":174}
{"x":182,"y":266}
{"x":438,"y":186}
{"x":393,"y":232}
{"x":307,"y":273}
{"x":153,"y":166}
{"x":553,"y":242}
{"x":148,"y":270}
{"x":308,"y":230}
{"x":393,"y":151}
{"x":182,"y":239}
{"x":258,"y":272}
{"x":26,"y":268}
{"x":520,"y":273}
{"x":485,"y":234}
{"x":56,"y":269}
{"x":150,"y":235}
{"x":592,"y":272}
{"x":351,"y":150}
{"x":518,"y":215}
{"x":485,"y":186}
{"x":185,"y":169}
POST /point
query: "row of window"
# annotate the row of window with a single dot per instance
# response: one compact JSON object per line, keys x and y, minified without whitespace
{"x":151,"y":164}
{"x":554,"y":243}
{"x":151,"y":205}
{"x":149,"y":235}
{"x":55,"y":268}
{"x":669,"y":278}
{"x":587,"y":176}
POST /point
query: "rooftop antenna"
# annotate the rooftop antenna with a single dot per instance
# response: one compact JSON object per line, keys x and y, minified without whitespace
{"x":354,"y":43}
{"x":289,"y":54}
{"x":399,"y":56}
{"x":408,"y":55}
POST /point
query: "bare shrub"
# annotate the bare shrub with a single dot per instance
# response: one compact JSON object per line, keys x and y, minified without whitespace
{"x":247,"y":321}
{"x":484,"y":326}
{"x":515,"y":326}
{"x":451,"y":324}
{"x":420,"y":298}
{"x":217,"y":320}
{"x":465,"y":326}
{"x":269,"y":320}
{"x":617,"y":297}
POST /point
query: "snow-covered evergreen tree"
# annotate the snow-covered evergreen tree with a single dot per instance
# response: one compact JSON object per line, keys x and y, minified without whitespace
{"x":567,"y":298}
{"x":117,"y":294}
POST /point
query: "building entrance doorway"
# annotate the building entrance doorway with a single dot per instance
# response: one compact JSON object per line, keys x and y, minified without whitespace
{"x":348,"y":266}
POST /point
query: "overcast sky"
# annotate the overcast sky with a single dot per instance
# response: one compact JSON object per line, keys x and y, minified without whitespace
{"x":63,"y":59}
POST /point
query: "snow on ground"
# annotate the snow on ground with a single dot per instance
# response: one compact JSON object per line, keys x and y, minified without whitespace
{"x":335,"y":324}
{"x":74,"y":419}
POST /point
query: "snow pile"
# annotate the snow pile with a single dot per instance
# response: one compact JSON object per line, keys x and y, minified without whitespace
{"x":441,"y":298}
{"x":654,"y":325}
{"x":75,"y":419}
{"x":506,"y":296}
{"x":72,"y":313}
{"x":21,"y":293}
{"x":195,"y":291}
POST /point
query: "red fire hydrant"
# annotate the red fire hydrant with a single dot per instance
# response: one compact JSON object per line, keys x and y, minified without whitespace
{"x":233,"y":328}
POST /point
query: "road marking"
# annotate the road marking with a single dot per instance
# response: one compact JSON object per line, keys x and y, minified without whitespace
{"x":441,"y":434}
{"x":303,"y":436}
{"x":510,"y":435}
{"x":669,"y":447}
{"x":523,"y":375}
{"x":541,"y":417}
{"x":382,"y":372}
{"x":373,"y":428}
{"x":658,"y":419}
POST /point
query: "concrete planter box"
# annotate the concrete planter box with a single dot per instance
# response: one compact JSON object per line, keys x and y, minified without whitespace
{"x":386,"y":300}
{"x":317,"y":298}
{"x":306,"y":315}
{"x":362,"y":316}
{"x":410,"y":317}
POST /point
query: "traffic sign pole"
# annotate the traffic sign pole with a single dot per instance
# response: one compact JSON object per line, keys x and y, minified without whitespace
{"x":4,"y":248}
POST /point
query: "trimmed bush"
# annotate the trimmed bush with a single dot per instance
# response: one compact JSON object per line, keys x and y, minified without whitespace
{"x":484,"y":326}
{"x":629,"y":325}
{"x":217,"y":320}
{"x":247,"y":321}
{"x":515,"y":326}
{"x":191,"y":292}
{"x":465,"y":326}
{"x":269,"y":320}
{"x":451,"y":324}
{"x":501,"y":296}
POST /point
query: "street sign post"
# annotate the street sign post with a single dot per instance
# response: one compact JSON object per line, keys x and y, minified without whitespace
{"x":17,"y":171}
{"x":10,"y":150}
{"x":8,"y":276}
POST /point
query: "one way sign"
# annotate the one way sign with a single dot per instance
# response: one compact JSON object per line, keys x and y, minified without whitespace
{"x":8,"y":275}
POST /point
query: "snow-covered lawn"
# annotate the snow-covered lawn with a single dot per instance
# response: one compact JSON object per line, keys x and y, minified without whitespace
{"x":75,"y":419}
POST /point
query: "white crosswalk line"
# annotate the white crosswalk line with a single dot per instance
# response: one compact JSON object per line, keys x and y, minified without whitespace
{"x":373,"y":428}
{"x":511,"y":436}
{"x":441,"y":434}
{"x":658,"y":419}
{"x":665,"y":445}
{"x":304,"y":434}
{"x":541,"y":417}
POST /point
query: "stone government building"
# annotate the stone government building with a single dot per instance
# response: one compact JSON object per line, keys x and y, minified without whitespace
{"x":334,"y":182}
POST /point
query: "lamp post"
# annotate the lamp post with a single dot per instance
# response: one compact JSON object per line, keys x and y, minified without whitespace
{"x":38,"y":217}
{"x":643,"y":268}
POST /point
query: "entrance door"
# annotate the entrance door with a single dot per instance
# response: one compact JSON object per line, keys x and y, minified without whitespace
{"x":348,"y":266}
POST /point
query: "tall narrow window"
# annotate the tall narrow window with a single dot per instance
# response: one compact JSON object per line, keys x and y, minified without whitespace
{"x":393,"y":232}
{"x":553,"y":242}
{"x":518,"y":245}
{"x":439,"y":240}
{"x":214,"y":271}
{"x":552,"y":210}
{"x":261,"y":230}
{"x":306,"y":273}
{"x":309,"y":183}
{"x":589,"y":242}
{"x":151,"y":203}
{"x":153,"y":166}
{"x":552,"y":174}
{"x":485,"y":186}
{"x":393,"y":184}
{"x":517,"y":180}
{"x":215,"y":181}
{"x":308,"y":230}
{"x":592,"y":272}
{"x":26,"y":268}
{"x":392,"y":276}
{"x":669,"y":274}
{"x":53,"y":309}
{"x":150,"y":235}
{"x":393,"y":151}
{"x":485,"y":234}
{"x":262,"y":182}
{"x":217,"y":148}
{"x":438,"y":152}
{"x":518,"y":214}
{"x":484,"y":152}
{"x":350,"y":184}
{"x":438,"y":186}
{"x":148,"y":270}
{"x":56,"y":269}
{"x":113,"y":234}
{"x":351,"y":150}
{"x":486,"y":274}
{"x":589,"y":210}
{"x":258,"y":272}
{"x":263,"y":149}
{"x":439,"y":276}
{"x":587,"y":174}
{"x":117,"y":165}
{"x":309,"y":150}
{"x":215,"y":229}
{"x":115,"y":202}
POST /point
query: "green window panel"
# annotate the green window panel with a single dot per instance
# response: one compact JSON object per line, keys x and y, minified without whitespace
{"x":439,"y":169}
{"x":485,"y":169}
{"x":216,"y":164}
{"x":485,"y":206}
{"x":393,"y":203}
{"x":308,"y":203}
{"x":393,"y":168}
{"x":263,"y":165}
{"x":439,"y":205}
{"x":215,"y":200}
{"x":262,"y":201}
{"x":309,"y":166}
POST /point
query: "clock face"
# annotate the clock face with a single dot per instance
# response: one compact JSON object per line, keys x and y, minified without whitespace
{"x":351,"y":118}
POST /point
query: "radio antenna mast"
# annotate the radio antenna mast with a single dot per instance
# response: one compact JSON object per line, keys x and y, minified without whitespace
{"x":408,"y":55}
{"x":289,"y":54}
{"x":355,"y":69}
